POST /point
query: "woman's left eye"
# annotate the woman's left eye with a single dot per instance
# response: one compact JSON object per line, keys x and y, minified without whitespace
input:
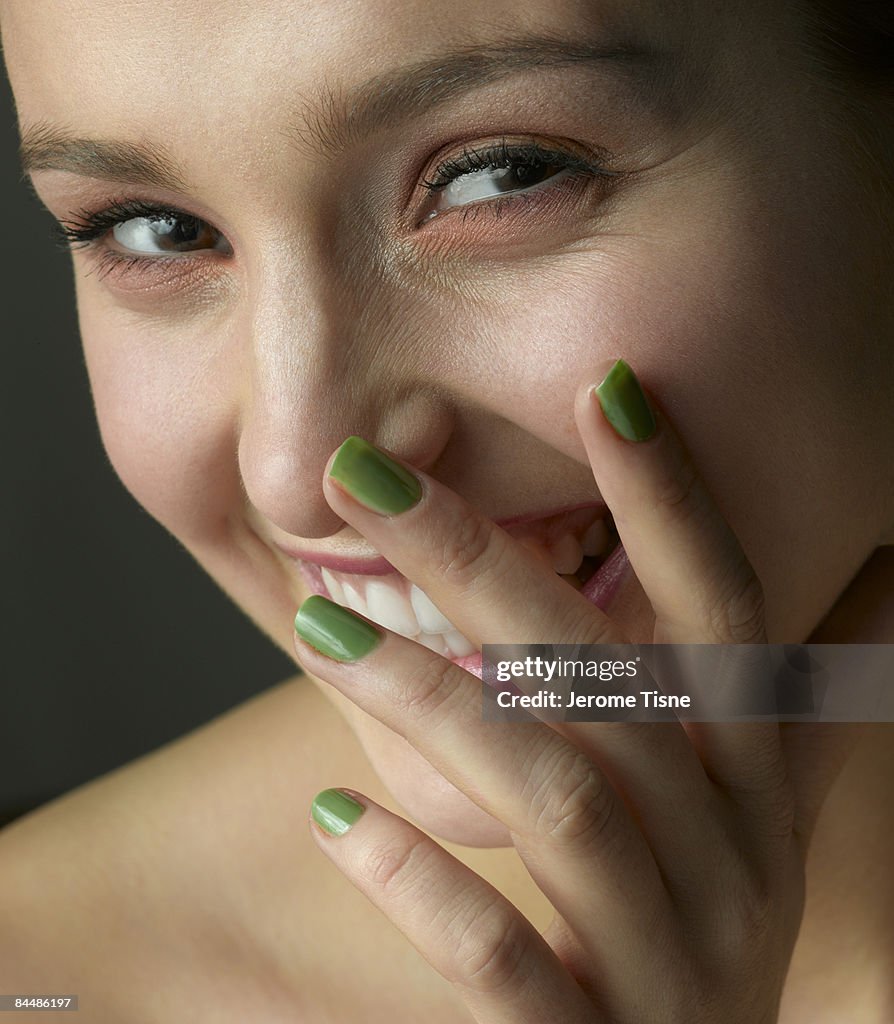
{"x":502,"y":170}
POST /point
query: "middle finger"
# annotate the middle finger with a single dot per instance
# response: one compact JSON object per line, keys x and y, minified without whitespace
{"x":495,"y":589}
{"x":576,"y":838}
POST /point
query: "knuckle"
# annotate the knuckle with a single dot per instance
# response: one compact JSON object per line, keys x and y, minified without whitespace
{"x":676,"y":490}
{"x":424,"y":693}
{"x":738,"y":614}
{"x":492,"y":950}
{"x":767,"y":778}
{"x":767,"y":770}
{"x":577,"y":625}
{"x":396,"y":866}
{"x":747,"y":919}
{"x":571,"y":803}
{"x":471,"y":555}
{"x":748,"y":924}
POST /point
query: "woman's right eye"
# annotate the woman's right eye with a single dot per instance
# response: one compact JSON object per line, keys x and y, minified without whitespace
{"x":143,"y":229}
{"x":164,"y":234}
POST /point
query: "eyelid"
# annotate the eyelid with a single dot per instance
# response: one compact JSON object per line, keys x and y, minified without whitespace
{"x":502,"y":153}
{"x":87,"y":226}
{"x":86,"y":229}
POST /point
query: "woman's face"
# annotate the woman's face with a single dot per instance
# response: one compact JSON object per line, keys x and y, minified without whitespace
{"x":325,"y":291}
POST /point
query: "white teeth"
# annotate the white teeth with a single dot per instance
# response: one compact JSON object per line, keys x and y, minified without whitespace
{"x":567,"y":554}
{"x":430,"y":618}
{"x":391,"y":609}
{"x":386,"y":600}
{"x":458,"y":644}
{"x":434,"y":642}
{"x":334,"y":587}
{"x":596,"y":539}
{"x":353,"y":599}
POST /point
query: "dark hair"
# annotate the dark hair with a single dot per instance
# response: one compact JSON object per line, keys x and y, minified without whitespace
{"x":850,"y":52}
{"x":853,"y":39}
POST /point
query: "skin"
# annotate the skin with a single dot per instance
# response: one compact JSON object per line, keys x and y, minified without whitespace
{"x":223,"y":385}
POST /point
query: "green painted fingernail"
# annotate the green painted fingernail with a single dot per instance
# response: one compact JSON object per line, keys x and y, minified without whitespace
{"x":379,"y":483}
{"x":335,"y":631}
{"x":624,"y":403}
{"x":335,"y":811}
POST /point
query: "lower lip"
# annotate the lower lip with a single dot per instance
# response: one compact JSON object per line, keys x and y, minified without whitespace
{"x":599,"y":590}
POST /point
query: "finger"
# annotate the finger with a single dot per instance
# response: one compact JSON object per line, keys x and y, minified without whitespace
{"x":571,"y":829}
{"x":493,"y":588}
{"x":502,"y":968}
{"x":473,"y":570}
{"x":688,"y":560}
{"x":698,"y":579}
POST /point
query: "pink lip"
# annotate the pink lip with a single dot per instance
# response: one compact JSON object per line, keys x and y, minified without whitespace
{"x":379,"y":566}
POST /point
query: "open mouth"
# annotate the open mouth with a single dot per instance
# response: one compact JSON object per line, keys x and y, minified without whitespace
{"x":581,"y":546}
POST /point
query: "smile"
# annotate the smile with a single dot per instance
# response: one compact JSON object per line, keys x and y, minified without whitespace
{"x":576,"y":544}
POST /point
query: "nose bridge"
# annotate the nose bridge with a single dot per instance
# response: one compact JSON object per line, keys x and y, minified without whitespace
{"x":293,"y":396}
{"x":314,"y":370}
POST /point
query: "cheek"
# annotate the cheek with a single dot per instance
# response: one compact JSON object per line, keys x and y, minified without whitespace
{"x":736,"y":330}
{"x":684,"y":320}
{"x":167,"y":429}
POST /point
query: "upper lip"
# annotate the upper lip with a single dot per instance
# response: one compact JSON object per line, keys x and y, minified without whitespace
{"x":362,"y":565}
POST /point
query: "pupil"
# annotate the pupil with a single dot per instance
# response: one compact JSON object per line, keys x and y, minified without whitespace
{"x":179,"y":231}
{"x":530,"y":174}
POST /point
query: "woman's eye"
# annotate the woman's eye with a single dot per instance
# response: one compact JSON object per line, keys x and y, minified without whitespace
{"x":164,"y":234}
{"x":141,"y":229}
{"x":495,"y":181}
{"x":130,"y":235}
{"x":499,"y":171}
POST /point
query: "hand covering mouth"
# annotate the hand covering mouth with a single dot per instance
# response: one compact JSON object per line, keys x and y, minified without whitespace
{"x":574,"y":543}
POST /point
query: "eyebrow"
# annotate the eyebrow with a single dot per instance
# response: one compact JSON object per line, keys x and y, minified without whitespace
{"x":333,"y":121}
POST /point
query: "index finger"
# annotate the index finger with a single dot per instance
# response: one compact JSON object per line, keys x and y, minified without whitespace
{"x":695,"y":573}
{"x":491,"y":586}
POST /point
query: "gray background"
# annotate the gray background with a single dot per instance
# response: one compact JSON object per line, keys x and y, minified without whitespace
{"x":112,"y":639}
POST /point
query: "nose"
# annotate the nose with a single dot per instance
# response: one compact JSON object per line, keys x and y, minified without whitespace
{"x":314,"y":374}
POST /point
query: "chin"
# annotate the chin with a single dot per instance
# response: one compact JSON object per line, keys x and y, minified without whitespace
{"x":428,"y":799}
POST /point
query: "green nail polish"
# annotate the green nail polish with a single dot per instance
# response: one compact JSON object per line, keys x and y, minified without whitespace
{"x":335,"y":811}
{"x":624,"y":403}
{"x":335,"y":631}
{"x":379,"y":483}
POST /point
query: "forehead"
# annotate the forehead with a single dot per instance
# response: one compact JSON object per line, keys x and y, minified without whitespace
{"x":104,"y":64}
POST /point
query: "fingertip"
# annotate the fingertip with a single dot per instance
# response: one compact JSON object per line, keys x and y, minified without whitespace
{"x":585,"y":396}
{"x":624,"y":404}
{"x":336,"y":811}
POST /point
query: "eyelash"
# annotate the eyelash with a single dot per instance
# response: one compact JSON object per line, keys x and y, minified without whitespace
{"x":91,"y":226}
{"x":502,"y":155}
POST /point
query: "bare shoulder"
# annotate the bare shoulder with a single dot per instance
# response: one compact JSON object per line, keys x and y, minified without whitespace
{"x":189,"y":876}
